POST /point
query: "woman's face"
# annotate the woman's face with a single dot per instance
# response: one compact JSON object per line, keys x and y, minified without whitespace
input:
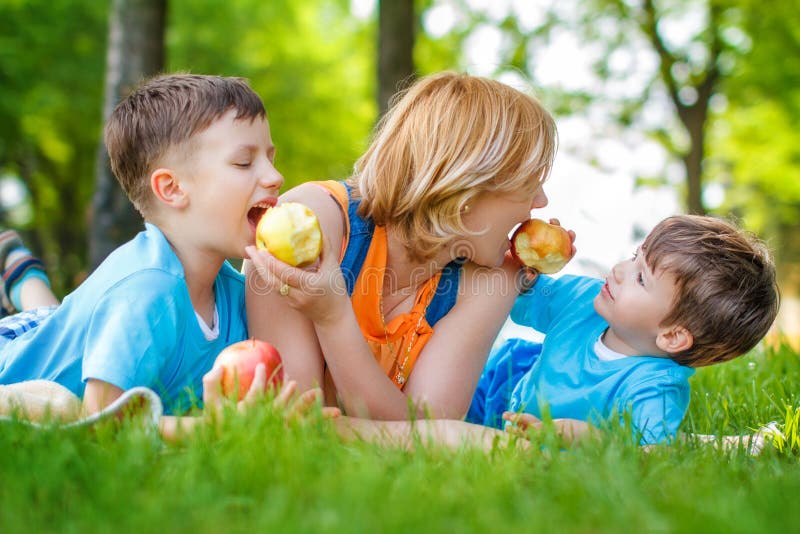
{"x":494,"y":216}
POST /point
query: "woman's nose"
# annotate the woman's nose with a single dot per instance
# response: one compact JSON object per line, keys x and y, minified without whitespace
{"x":539,"y":199}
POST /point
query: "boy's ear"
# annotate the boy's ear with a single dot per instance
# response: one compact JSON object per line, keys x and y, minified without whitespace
{"x":167,"y":188}
{"x":674,"y":339}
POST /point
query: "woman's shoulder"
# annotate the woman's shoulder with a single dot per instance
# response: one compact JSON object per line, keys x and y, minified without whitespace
{"x":325,"y":205}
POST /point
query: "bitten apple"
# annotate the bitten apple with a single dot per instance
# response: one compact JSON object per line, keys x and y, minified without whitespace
{"x":239,"y":361}
{"x":543,"y":246}
{"x":291,"y":233}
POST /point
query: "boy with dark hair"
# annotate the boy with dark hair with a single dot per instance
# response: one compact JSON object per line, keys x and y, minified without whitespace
{"x":698,"y":292}
{"x":195,"y":157}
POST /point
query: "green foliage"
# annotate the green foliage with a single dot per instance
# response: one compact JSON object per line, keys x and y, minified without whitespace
{"x":754,"y":151}
{"x":787,"y":439}
{"x":52,"y":57}
{"x":309,"y":61}
{"x":740,"y":396}
{"x":757,"y":152}
{"x":770,"y":37}
{"x":436,"y":54}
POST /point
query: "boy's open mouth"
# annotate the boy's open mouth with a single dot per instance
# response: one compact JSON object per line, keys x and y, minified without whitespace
{"x":254,"y":214}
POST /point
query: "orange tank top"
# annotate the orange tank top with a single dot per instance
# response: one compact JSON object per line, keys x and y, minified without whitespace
{"x":396,"y":345}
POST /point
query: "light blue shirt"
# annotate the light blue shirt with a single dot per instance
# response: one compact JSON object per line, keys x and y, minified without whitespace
{"x":131,"y":323}
{"x":570,"y":379}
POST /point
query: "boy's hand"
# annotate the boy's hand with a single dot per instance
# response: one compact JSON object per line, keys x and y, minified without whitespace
{"x":212,"y":389}
{"x":571,"y":234}
{"x":570,"y":430}
{"x":287,"y":400}
{"x":521,"y":423}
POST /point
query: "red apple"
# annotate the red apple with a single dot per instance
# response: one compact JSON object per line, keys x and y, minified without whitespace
{"x":239,"y":361}
{"x":545,"y":247}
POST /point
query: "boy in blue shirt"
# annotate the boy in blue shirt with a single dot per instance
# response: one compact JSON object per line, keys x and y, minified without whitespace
{"x":195,"y":157}
{"x":697,"y":292}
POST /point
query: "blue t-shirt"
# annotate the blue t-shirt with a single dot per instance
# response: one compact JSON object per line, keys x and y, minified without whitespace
{"x":566,"y":376}
{"x":131,"y":323}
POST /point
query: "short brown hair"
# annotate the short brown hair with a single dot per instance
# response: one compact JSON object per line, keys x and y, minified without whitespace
{"x":447,"y":139}
{"x":164,"y":112}
{"x":727,"y":294}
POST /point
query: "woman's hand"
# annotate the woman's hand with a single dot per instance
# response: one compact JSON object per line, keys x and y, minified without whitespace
{"x":318,"y":291}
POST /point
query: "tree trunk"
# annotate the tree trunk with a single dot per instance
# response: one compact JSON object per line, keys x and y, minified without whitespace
{"x":694,"y":120}
{"x":395,"y":48}
{"x":694,"y":116}
{"x":135,"y":51}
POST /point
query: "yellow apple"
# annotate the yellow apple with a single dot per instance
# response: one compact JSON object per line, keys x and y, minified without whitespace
{"x":291,"y":233}
{"x":543,"y":246}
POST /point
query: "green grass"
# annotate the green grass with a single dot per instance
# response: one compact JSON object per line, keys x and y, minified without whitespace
{"x":264,"y":475}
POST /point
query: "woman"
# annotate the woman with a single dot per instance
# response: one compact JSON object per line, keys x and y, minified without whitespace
{"x":414,"y":283}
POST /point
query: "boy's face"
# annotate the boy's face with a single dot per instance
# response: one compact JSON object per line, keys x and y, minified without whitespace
{"x":229,"y":177}
{"x":634,"y":301}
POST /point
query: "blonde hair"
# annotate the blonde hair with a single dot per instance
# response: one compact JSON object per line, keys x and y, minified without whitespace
{"x":446,"y":140}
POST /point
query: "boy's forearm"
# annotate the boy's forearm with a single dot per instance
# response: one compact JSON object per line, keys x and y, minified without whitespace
{"x":97,"y":395}
{"x":573,"y":430}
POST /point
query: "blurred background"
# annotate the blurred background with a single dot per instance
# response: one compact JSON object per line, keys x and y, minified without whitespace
{"x":662,"y":106}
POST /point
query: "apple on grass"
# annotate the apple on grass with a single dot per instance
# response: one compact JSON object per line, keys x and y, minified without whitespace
{"x":291,"y":233}
{"x":239,"y":361}
{"x":542,"y":246}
